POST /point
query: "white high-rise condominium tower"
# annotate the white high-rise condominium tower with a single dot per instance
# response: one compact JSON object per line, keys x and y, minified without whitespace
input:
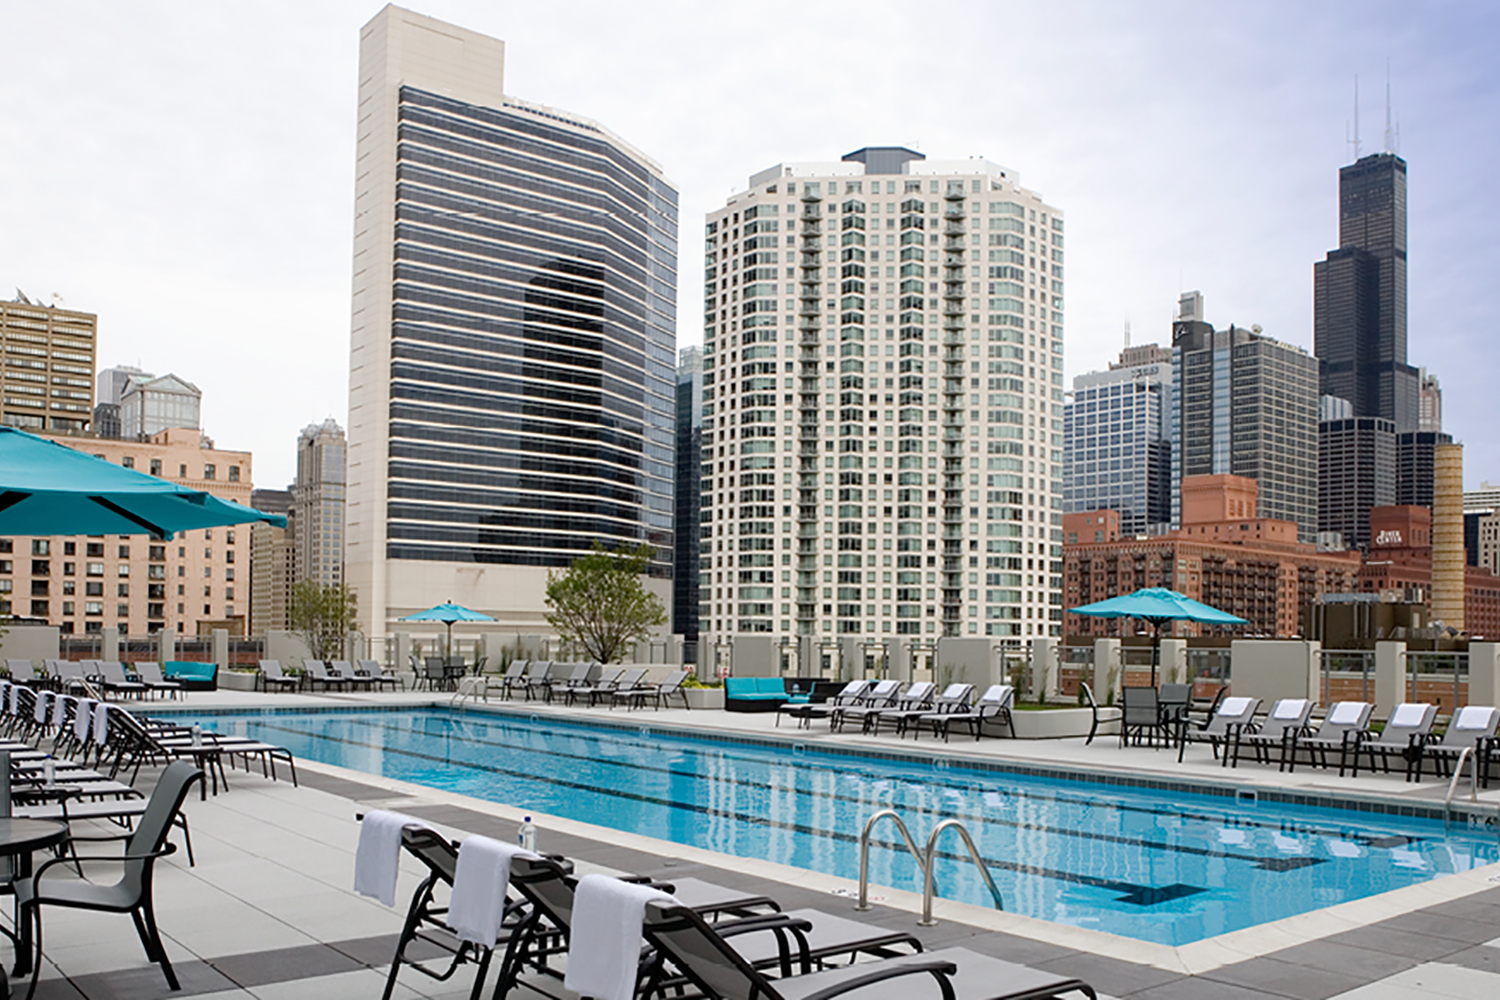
{"x":513,"y":350}
{"x":883,"y":403}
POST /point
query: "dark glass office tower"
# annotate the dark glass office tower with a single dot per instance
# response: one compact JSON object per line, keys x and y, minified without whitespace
{"x":1359,"y":296}
{"x":689,"y":497}
{"x":1246,"y":405}
{"x":513,"y":350}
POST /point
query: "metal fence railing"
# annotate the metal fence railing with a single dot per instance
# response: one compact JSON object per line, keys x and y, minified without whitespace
{"x":1348,"y":675}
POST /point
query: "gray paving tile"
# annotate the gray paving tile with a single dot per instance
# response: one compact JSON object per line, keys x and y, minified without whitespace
{"x":1192,"y":988}
{"x":148,"y":983}
{"x":1108,"y":975}
{"x":1483,"y":958}
{"x":1302,"y":982}
{"x":1336,"y":956}
{"x":1396,"y":941}
{"x":285,"y":964}
{"x":1432,"y":924}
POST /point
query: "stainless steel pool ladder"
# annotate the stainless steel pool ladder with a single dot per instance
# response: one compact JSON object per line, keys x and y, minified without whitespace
{"x":924,"y":859}
{"x":1467,"y":753}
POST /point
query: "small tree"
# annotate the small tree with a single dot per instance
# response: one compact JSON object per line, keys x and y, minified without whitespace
{"x":323,"y":614}
{"x":600,"y":604}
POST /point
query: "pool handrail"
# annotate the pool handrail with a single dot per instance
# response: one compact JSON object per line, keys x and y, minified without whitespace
{"x":864,"y":852}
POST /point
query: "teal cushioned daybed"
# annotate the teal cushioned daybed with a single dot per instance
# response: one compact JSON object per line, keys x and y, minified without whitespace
{"x":756,"y":694}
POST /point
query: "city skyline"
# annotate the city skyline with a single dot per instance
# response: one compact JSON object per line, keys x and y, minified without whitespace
{"x":1227,"y":184}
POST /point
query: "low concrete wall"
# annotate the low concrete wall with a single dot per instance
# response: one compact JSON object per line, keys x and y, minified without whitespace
{"x":1058,"y":723}
{"x":30,"y":642}
{"x":1270,"y":669}
{"x":233,"y":680}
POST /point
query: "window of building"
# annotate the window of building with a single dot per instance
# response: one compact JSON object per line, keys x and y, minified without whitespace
{"x":156,"y":466}
{"x":93,"y":607}
{"x":40,"y":609}
{"x":128,"y":462}
{"x":91,"y":589}
{"x":67,"y":607}
{"x":234,"y":473}
{"x":40,"y":588}
{"x":124,"y":551}
{"x":208,"y":471}
{"x":95,"y":550}
{"x":182,"y":472}
{"x":41,"y":567}
{"x":122,"y":590}
{"x":124,"y":569}
{"x":122,"y":611}
{"x":41,"y":547}
{"x":70,"y":548}
{"x":70,"y":569}
{"x":229,"y":573}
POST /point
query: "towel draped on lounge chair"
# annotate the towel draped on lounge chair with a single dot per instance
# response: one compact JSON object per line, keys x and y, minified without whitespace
{"x":377,"y":859}
{"x":604,"y":952}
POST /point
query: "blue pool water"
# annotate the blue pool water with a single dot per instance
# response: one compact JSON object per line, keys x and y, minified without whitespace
{"x":1156,"y":866}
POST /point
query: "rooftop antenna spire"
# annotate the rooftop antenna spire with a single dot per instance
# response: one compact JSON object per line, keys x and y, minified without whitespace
{"x":1355,"y":141}
{"x":1127,"y":333}
{"x":1390,"y":132}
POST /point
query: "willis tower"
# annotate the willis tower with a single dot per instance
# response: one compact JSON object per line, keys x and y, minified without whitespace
{"x":1359,"y":296}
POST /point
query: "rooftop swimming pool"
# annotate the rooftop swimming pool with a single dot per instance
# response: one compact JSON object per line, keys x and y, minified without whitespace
{"x":1164,"y":866}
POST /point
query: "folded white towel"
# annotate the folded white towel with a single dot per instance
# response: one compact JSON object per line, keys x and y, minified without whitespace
{"x":604,"y":949}
{"x":43,"y":703}
{"x":60,"y":709}
{"x":1407,"y":715}
{"x":1473,"y":717}
{"x":953,"y":691}
{"x":81,"y":717}
{"x":377,"y":860}
{"x":1347,"y":713}
{"x":1233,"y":708}
{"x":477,"y":906}
{"x":101,"y":723}
{"x":1289,"y":708}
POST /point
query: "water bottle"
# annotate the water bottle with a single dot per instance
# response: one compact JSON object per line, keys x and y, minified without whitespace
{"x":197,"y":736}
{"x":527,"y":835}
{"x":49,"y":772}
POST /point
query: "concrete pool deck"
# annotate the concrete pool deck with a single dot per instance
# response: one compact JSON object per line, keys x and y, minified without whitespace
{"x":268,"y":911}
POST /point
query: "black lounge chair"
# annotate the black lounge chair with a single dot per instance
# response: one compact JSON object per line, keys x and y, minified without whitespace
{"x":1287,"y":718}
{"x":547,"y":884}
{"x":1404,"y":733}
{"x":271,"y":673}
{"x":712,"y":961}
{"x":538,"y":678}
{"x":578,"y":676}
{"x":883,"y":694}
{"x":1338,"y":731}
{"x":1233,"y":717}
{"x":425,"y":926}
{"x":917,"y":698}
{"x":993,"y":708}
{"x":514,"y":678}
{"x":318,"y":673}
{"x":603,"y":687}
{"x":851,"y":693}
{"x":1472,"y":727}
{"x":955,"y":698}
{"x":372,"y":673}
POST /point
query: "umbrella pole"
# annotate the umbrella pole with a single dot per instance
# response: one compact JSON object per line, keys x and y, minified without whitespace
{"x":1155,"y":651}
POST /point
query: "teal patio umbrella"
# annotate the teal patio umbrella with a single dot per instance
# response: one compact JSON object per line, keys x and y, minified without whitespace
{"x":448,"y":613}
{"x":1157,"y":605}
{"x":50,"y":489}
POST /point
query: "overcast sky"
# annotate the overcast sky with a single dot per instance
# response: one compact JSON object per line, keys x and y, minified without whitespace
{"x":185,"y":170}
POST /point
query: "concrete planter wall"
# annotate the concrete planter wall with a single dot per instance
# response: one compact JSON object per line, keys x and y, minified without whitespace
{"x":709,"y":698}
{"x":1061,"y":723}
{"x":231,"y":680}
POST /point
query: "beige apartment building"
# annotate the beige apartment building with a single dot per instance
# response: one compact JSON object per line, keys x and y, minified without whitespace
{"x":47,"y":380}
{"x":136,"y":583}
{"x":883,"y":403}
